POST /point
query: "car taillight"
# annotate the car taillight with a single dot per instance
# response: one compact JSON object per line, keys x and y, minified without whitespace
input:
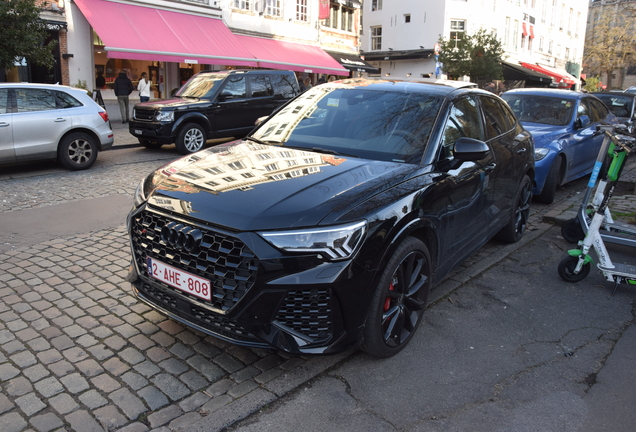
{"x":104,"y":115}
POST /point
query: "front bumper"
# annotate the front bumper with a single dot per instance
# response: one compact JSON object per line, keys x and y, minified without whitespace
{"x":153,"y":131}
{"x":300,"y":305}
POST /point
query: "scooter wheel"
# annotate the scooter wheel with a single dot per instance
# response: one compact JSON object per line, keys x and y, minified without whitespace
{"x":567,"y":266}
{"x":572,"y":231}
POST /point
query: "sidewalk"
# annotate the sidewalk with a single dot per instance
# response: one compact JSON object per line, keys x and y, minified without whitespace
{"x":122,"y":136}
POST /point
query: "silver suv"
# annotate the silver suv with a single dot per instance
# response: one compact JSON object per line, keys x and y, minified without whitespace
{"x":46,"y":121}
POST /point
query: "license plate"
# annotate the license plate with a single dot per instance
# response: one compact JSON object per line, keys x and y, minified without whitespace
{"x":182,"y":280}
{"x":139,"y":131}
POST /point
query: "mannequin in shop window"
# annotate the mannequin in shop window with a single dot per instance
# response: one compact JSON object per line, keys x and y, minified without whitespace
{"x":144,"y":88}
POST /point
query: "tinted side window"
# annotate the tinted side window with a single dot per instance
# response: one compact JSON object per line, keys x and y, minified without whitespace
{"x":600,"y":108}
{"x":497,"y":117}
{"x":586,"y":108}
{"x":464,"y":121}
{"x":34,"y":100}
{"x":261,"y":86}
{"x":235,"y":85}
{"x":284,"y":85}
{"x":4,"y":94}
{"x":66,"y":100}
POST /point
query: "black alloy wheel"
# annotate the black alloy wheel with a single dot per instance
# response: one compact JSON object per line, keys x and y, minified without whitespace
{"x":552,"y":182}
{"x":516,"y":227}
{"x":399,"y":300}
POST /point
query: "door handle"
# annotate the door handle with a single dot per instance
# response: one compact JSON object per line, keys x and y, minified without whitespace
{"x":490,"y":167}
{"x":521,"y":150}
{"x":60,"y":119}
{"x":3,"y":124}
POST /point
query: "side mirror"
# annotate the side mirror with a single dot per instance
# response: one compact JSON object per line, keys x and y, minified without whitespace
{"x":470,"y":149}
{"x":582,"y":122}
{"x":225,"y":96}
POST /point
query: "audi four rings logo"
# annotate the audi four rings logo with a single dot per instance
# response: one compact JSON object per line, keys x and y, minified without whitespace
{"x":181,"y":236}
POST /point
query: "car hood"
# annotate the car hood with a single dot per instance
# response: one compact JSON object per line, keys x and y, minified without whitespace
{"x":545,"y":134}
{"x":173,"y":103}
{"x":246,"y":186}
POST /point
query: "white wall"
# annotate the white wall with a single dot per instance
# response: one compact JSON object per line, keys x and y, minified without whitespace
{"x":80,"y":44}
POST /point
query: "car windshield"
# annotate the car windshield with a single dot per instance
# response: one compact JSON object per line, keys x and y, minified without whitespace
{"x":548,"y":110}
{"x":619,"y":105}
{"x":359,"y":122}
{"x":200,"y":85}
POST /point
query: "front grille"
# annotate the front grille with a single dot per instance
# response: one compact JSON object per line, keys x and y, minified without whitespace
{"x":144,"y":114}
{"x":307,"y":312}
{"x":214,"y":323}
{"x":225,"y":261}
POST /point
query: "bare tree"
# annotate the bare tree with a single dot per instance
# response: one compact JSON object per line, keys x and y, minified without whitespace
{"x":609,"y":41}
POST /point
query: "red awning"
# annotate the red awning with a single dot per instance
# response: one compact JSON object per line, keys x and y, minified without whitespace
{"x":144,"y":33}
{"x":562,"y":78}
{"x":523,"y":29}
{"x":277,"y":54}
{"x":531,"y":32}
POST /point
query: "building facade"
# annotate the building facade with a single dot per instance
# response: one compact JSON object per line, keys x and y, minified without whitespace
{"x":171,"y":40}
{"x":399,"y":37}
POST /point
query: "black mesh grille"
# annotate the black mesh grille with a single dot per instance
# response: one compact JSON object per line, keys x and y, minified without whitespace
{"x":225,"y":261}
{"x":144,"y":114}
{"x":213,"y":322}
{"x":307,"y":312}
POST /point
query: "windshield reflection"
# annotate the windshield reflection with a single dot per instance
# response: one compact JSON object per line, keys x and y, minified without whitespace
{"x":372,"y":124}
{"x":200,"y":85}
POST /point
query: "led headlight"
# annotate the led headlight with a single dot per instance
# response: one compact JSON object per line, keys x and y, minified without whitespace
{"x":334,"y":243}
{"x":166,"y":116}
{"x":540,"y":153}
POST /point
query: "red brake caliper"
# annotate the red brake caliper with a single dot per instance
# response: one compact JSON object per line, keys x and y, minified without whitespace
{"x":387,"y":301}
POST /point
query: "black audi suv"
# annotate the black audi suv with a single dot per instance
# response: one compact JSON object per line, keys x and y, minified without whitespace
{"x":328,"y":225}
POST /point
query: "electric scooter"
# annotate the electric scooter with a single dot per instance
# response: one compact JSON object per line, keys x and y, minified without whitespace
{"x":576,"y":266}
{"x":611,"y":231}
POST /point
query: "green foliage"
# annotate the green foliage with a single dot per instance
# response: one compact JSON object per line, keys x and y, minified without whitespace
{"x":22,"y":34}
{"x":592,"y":84}
{"x":478,"y":56}
{"x":82,"y":84}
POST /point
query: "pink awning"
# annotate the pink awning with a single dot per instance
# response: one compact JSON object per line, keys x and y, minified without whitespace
{"x":277,"y":54}
{"x":144,"y":33}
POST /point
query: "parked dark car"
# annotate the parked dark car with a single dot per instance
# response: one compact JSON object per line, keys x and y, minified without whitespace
{"x":562,"y":123}
{"x":621,"y":105}
{"x":210,"y":105}
{"x":326,"y":227}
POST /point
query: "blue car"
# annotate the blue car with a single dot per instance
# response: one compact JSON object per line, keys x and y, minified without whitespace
{"x":562,"y":123}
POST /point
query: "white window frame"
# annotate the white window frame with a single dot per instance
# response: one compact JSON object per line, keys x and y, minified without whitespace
{"x":302,"y":11}
{"x":272,"y":8}
{"x":376,"y":38}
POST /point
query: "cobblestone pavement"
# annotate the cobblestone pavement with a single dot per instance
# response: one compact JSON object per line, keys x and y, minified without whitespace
{"x":79,"y":353}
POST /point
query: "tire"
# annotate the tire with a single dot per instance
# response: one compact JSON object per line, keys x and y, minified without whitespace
{"x":191,"y":138}
{"x":77,"y":151}
{"x":567,"y":266}
{"x":572,"y":231}
{"x":399,"y":300}
{"x":551,"y":183}
{"x":516,"y":226}
{"x":153,"y":145}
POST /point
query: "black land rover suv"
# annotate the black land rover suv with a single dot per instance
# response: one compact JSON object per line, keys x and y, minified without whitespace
{"x":212,"y":104}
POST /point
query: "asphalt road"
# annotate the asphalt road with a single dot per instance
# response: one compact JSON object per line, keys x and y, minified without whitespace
{"x":505,"y":346}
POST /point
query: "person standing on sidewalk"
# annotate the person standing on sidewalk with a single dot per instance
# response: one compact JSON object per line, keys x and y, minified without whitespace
{"x":123,"y":88}
{"x":144,"y":88}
